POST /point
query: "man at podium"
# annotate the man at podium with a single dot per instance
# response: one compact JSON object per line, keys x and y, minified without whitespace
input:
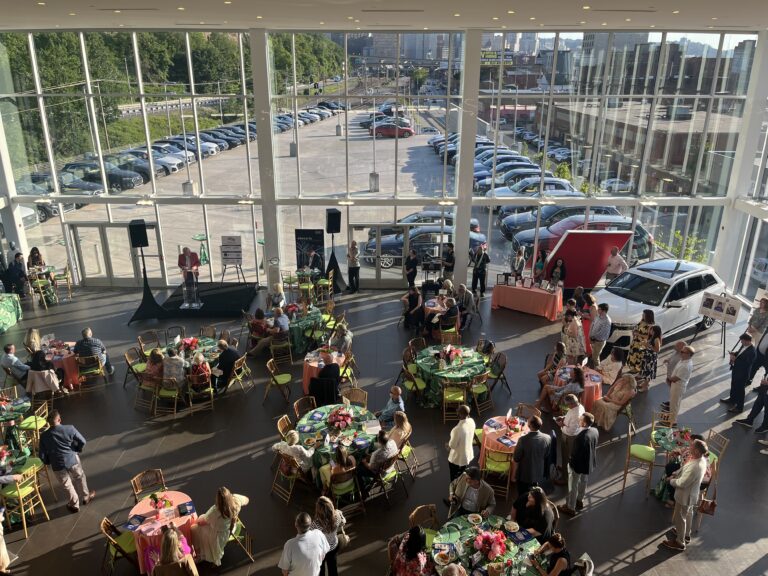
{"x":189,"y":263}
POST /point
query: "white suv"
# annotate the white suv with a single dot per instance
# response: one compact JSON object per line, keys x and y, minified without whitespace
{"x":673,"y":289}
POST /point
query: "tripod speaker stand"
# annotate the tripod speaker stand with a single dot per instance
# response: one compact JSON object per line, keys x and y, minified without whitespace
{"x":149,"y":308}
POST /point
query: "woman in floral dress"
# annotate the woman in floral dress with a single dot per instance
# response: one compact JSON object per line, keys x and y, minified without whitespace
{"x":650,"y":358}
{"x":640,"y":337}
{"x":411,"y":558}
{"x":573,"y":337}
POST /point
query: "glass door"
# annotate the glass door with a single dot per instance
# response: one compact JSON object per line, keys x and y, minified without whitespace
{"x":381,"y":255}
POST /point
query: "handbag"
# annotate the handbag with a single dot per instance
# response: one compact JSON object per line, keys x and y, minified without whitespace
{"x":343,"y":539}
{"x":709,"y":506}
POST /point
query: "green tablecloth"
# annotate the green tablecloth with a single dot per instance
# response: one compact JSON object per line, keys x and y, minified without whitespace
{"x":670,"y":439}
{"x":461,"y":532}
{"x":11,"y":414}
{"x":314,"y":422}
{"x":10,"y":311}
{"x":461,"y":371}
{"x":297,"y":327}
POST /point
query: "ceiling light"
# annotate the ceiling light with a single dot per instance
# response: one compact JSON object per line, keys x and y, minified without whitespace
{"x":495,"y":18}
{"x":653,"y":25}
{"x":583,"y":22}
{"x":346,"y":203}
{"x":245,"y":200}
{"x":510,"y":11}
{"x":604,"y":24}
{"x":121,"y":25}
{"x":532,"y":18}
{"x":358,"y":28}
{"x":425,"y":28}
{"x":259,"y":17}
{"x":73,"y":13}
{"x":710,"y":27}
{"x":118,"y":11}
{"x":627,"y":19}
{"x":504,"y":27}
{"x":145,"y":201}
{"x":446,"y":203}
{"x":322,"y":23}
{"x":586,"y":7}
{"x":350,"y":17}
{"x":714,"y":18}
{"x":675,"y":11}
{"x":41,"y":3}
{"x":227,"y":1}
{"x":201,"y":23}
{"x":457,"y":15}
{"x":357,"y":21}
{"x":180,"y":8}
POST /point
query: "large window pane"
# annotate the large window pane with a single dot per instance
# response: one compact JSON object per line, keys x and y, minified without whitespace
{"x":689,"y":62}
{"x":215,"y":63}
{"x":164,"y":62}
{"x":634,"y":63}
{"x":736,"y":63}
{"x":15,"y":61}
{"x":60,"y":62}
{"x":720,"y":146}
{"x":112,"y":64}
{"x":179,"y":226}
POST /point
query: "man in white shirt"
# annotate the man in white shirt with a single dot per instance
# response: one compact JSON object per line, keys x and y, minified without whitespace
{"x":678,"y":381}
{"x":686,"y":483}
{"x":12,"y":362}
{"x":303,"y":555}
{"x":460,"y":452}
{"x":568,"y":427}
{"x":616,"y":265}
{"x":671,"y":362}
{"x":599,"y":332}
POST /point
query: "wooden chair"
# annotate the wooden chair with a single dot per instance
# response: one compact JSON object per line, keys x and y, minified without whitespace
{"x":44,"y":397}
{"x":346,"y":493}
{"x":23,"y":497}
{"x":307,"y":290}
{"x":146,"y":394}
{"x":241,"y":374}
{"x":63,"y":280}
{"x":151,"y":480}
{"x":226,"y":335}
{"x":385,"y":482}
{"x":208,"y":332}
{"x":304,"y":405}
{"x":407,"y":456}
{"x":39,"y":285}
{"x":243,"y":539}
{"x":290,"y":283}
{"x":277,"y":379}
{"x":172,"y":331}
{"x":356,"y":396}
{"x":315,"y":334}
{"x":200,"y":392}
{"x":34,"y":425}
{"x":167,"y":391}
{"x":497,"y":469}
{"x":452,"y":338}
{"x":148,"y":341}
{"x":486,"y":348}
{"x":425,"y":516}
{"x":284,"y":426}
{"x":11,"y":392}
{"x":135,"y":365}
{"x":454,"y":395}
{"x":40,"y":468}
{"x":287,"y":474}
{"x":281,"y":354}
{"x":245,"y":324}
{"x":479,"y":389}
{"x":498,"y":366}
{"x":337,"y":321}
{"x":325,"y":287}
{"x":639,"y":457}
{"x":347,"y":371}
{"x":9,"y":375}
{"x":659,"y":420}
{"x":119,"y":545}
{"x":417,"y":345}
{"x":89,"y":367}
{"x":327,"y":316}
{"x":409,"y":363}
{"x":527,"y":411}
{"x":717,"y":443}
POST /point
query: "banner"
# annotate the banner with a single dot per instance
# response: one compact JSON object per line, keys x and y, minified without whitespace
{"x":306,"y":240}
{"x":721,"y":308}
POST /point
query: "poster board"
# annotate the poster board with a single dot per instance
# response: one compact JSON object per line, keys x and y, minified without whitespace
{"x":721,"y":308}
{"x":231,"y":251}
{"x":306,"y":240}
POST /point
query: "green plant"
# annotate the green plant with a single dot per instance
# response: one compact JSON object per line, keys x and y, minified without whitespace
{"x":695,"y":247}
{"x":563,"y":171}
{"x":587,"y":189}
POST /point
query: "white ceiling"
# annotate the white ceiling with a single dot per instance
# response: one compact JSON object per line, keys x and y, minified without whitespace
{"x":372,"y":15}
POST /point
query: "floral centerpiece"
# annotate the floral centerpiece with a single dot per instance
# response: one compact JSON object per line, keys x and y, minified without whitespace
{"x":491,"y":544}
{"x":450,"y":354}
{"x":189,"y":344}
{"x":684,"y":434}
{"x":513,"y":422}
{"x":4,"y":454}
{"x":159,"y":501}
{"x":340,"y":418}
{"x":291,"y":309}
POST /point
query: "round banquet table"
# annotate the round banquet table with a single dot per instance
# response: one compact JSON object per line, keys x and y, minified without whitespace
{"x":312,"y":368}
{"x":593,"y":384}
{"x":495,"y":428}
{"x":471,"y":364}
{"x":457,"y":535}
{"x":65,"y":361}
{"x":149,"y":534}
{"x":315,"y":423}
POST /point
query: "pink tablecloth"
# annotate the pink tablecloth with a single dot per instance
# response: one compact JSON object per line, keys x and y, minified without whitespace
{"x":311,"y":368}
{"x":490,"y":435}
{"x":529,"y":300}
{"x":153,"y":535}
{"x":66,"y":361}
{"x":593,"y":388}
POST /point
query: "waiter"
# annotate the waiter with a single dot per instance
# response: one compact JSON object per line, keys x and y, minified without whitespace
{"x":189,"y":263}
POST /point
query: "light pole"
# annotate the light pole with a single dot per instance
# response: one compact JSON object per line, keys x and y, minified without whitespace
{"x":186,"y":151}
{"x":168,"y":110}
{"x":221,"y":109}
{"x":127,"y":76}
{"x":103,"y":118}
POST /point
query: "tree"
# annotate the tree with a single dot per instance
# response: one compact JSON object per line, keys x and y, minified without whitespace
{"x":563,"y":171}
{"x":695,"y":247}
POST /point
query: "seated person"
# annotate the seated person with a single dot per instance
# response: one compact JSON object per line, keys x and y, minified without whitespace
{"x":280,"y":326}
{"x":414,"y":313}
{"x":535,"y":513}
{"x":342,"y":339}
{"x":551,"y":395}
{"x":559,"y":559}
{"x":200,"y":367}
{"x":606,"y":409}
{"x":9,"y":360}
{"x":175,"y":558}
{"x":401,"y":430}
{"x":330,"y":371}
{"x":612,"y":366}
{"x":341,"y":463}
{"x":42,"y":375}
{"x":447,"y":288}
{"x":469,"y":494}
{"x":36,"y":260}
{"x":395,"y":403}
{"x":292,"y":447}
{"x":17,"y":275}
{"x":371,"y":466}
{"x":228,"y":355}
{"x":32,"y":340}
{"x":277,"y":298}
{"x":154,"y":368}
{"x":451,"y":312}
{"x":258,"y":327}
{"x":412,"y":558}
{"x":555,"y":361}
{"x":90,"y":346}
{"x":173,"y":367}
{"x":466,"y":303}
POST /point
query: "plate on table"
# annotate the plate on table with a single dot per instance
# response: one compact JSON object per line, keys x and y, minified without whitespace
{"x":305,"y":428}
{"x":511,"y":526}
{"x":361,"y":442}
{"x":475,"y":519}
{"x":444,"y":558}
{"x":309,"y":442}
{"x":346,"y":441}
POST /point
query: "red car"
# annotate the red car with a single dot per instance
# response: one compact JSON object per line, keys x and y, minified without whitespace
{"x":391,"y":131}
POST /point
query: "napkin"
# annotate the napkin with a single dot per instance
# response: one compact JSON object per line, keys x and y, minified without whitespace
{"x":492,"y":423}
{"x":316,"y":416}
{"x":508,"y":442}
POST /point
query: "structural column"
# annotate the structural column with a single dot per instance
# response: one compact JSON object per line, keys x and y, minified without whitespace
{"x":470,"y":82}
{"x":263,"y":110}
{"x":10,"y":213}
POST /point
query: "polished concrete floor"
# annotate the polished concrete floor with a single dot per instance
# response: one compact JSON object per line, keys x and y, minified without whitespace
{"x":231,"y":447}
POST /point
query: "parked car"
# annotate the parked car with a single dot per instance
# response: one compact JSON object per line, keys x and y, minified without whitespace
{"x":529,"y":186}
{"x":117,"y":178}
{"x":390,"y":131}
{"x":506,"y":209}
{"x":387,"y":121}
{"x":25,"y":187}
{"x":422,"y":217}
{"x":170,"y":164}
{"x":68,"y":184}
{"x":617,"y":185}
{"x":672,"y":289}
{"x":514,"y":223}
{"x":214,"y":138}
{"x":483,"y":180}
{"x":642,"y":242}
{"x":426,"y":240}
{"x":172,"y":150}
{"x":132,"y":163}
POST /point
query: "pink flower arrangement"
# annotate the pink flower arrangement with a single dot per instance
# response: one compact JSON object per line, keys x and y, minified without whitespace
{"x":291,"y":308}
{"x":449,"y":354}
{"x":160,"y":501}
{"x":340,"y":419}
{"x":491,"y":544}
{"x":189,"y":344}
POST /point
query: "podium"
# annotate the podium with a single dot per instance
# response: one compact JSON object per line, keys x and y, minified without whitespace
{"x":190,"y":293}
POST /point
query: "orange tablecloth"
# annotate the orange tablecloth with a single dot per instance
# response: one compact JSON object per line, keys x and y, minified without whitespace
{"x":529,"y":300}
{"x":593,"y":385}
{"x":66,"y":361}
{"x":311,"y":368}
{"x":155,"y":536}
{"x":490,"y":435}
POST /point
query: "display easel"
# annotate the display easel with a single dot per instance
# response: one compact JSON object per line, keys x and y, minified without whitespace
{"x":238,"y":269}
{"x":722,"y":323}
{"x":232,"y":256}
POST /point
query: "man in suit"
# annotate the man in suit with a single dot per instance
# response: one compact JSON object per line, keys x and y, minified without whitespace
{"x":470,"y":494}
{"x":741,"y":371}
{"x":189,"y":264}
{"x":761,"y":360}
{"x":228,"y":355}
{"x":686,"y":482}
{"x":760,"y":403}
{"x":314,"y":261}
{"x":531,"y":455}
{"x":460,"y":452}
{"x":581,"y":464}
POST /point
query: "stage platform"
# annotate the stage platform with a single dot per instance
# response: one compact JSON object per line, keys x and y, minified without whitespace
{"x":226,"y":300}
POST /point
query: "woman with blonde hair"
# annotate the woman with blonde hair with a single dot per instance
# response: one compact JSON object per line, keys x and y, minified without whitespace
{"x":213,"y":528}
{"x":606,"y":409}
{"x":175,"y":560}
{"x":342,"y":462}
{"x":328,"y":520}
{"x":32,"y":340}
{"x":401,"y":430}
{"x":292,"y":447}
{"x":277,"y":298}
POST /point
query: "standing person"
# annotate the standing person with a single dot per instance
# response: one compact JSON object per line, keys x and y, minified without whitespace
{"x":314,"y":261}
{"x":189,"y":264}
{"x":557,"y":274}
{"x":329,"y":521}
{"x":538,"y":267}
{"x":686,"y":483}
{"x":17,"y":274}
{"x":671,"y":362}
{"x":411,"y":267}
{"x":90,"y":346}
{"x":616,"y":265}
{"x":517,"y":263}
{"x":353,"y":267}
{"x":11,"y":254}
{"x":480,"y":263}
{"x":758,"y":321}
{"x":460,"y":452}
{"x":573,"y":337}
{"x":212,"y":530}
{"x":760,"y":403}
{"x":599,"y":332}
{"x":650,"y":359}
{"x":640,"y":336}
{"x":761,"y":359}
{"x":60,"y":447}
{"x":532,"y":455}
{"x":304,"y":554}
{"x":568,"y":427}
{"x":449,"y":261}
{"x":581,"y":464}
{"x":678,"y":381}
{"x":466,"y":303}
{"x":741,"y":369}
{"x":414,"y":314}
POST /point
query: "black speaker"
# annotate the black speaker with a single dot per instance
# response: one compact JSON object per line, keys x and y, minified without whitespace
{"x":138,"y":232}
{"x":332,"y":221}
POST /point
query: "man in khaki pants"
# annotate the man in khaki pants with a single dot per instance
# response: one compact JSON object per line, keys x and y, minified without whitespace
{"x":599,"y":332}
{"x":60,"y":447}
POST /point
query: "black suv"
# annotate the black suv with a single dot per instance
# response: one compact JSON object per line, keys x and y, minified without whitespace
{"x":514,"y":223}
{"x":117,"y":179}
{"x":133,"y":164}
{"x":426,"y":240}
